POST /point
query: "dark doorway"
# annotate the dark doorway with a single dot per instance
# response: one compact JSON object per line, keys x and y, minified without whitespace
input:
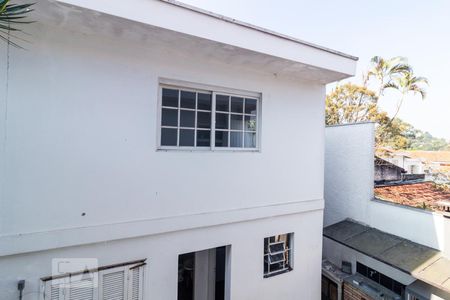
{"x":201,"y":274}
{"x":329,"y":289}
{"x":186,"y":263}
{"x":220,"y":273}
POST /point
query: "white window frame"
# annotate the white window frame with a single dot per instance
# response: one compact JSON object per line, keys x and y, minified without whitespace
{"x":288,"y":255}
{"x":213,"y":90}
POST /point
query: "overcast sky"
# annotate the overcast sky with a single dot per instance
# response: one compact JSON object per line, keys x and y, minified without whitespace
{"x":418,"y":30}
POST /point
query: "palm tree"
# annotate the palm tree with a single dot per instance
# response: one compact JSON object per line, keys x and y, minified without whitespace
{"x":385,"y":71}
{"x":409,"y":83}
{"x":11,"y":15}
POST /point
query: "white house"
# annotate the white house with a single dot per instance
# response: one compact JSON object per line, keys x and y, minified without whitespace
{"x":405,"y":161}
{"x":390,"y":251}
{"x":153,"y":150}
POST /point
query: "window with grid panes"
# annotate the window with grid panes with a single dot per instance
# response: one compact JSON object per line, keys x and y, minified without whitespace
{"x":278,"y":254}
{"x":197,"y":119}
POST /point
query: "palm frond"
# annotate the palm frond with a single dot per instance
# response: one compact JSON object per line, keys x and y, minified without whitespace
{"x":400,"y":69}
{"x":10,"y":15}
{"x":420,"y":79}
{"x":391,"y":85}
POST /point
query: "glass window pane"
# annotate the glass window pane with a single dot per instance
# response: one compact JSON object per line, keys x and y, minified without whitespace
{"x":221,"y":138}
{"x":250,"y":106}
{"x":237,"y":122}
{"x":203,"y":119}
{"x":222,"y":103}
{"x":237,"y":105}
{"x":170,"y":97}
{"x":386,"y":281}
{"x":374,"y":275}
{"x":361,"y":269}
{"x":187,"y":137}
{"x":203,"y":138}
{"x":222,"y":121}
{"x":168,"y":137}
{"x":274,"y":258}
{"x":398,"y":288}
{"x":204,"y":101}
{"x":169,"y":117}
{"x":250,"y":123}
{"x":187,"y":118}
{"x":235,"y":139}
{"x":276,"y":267}
{"x":277,"y":247}
{"x":250,"y":140}
{"x":187,"y":99}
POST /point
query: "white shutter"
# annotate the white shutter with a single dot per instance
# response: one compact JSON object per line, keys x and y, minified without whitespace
{"x":54,"y":289}
{"x":135,"y":282}
{"x":82,"y":287}
{"x":119,"y":283}
{"x":113,"y":284}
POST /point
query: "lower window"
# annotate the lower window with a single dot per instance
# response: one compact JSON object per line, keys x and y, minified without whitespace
{"x":278,"y":254}
{"x":380,"y":278}
{"x":123,"y":281}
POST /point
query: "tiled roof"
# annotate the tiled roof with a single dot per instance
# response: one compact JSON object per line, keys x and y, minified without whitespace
{"x":419,"y":194}
{"x":430,"y":156}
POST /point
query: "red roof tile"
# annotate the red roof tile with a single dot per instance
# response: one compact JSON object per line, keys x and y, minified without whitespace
{"x":422,"y":194}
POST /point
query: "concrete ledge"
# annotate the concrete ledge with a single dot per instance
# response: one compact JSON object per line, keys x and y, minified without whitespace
{"x":39,"y":241}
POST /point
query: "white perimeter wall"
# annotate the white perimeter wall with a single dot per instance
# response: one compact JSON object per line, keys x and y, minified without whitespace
{"x":81,"y":138}
{"x":161,"y":273}
{"x":349,"y":172}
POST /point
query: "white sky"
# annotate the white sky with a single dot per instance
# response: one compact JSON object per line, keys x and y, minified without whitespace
{"x":418,"y":30}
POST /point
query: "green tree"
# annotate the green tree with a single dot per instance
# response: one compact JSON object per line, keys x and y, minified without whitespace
{"x":351,"y":103}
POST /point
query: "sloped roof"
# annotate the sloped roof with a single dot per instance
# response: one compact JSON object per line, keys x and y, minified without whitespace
{"x":416,"y":194}
{"x":430,"y":156}
{"x":420,"y":261}
{"x":381,"y":162}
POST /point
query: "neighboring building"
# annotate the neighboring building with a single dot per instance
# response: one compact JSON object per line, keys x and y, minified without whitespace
{"x":434,"y":164}
{"x":406,"y":162}
{"x":435,"y":160}
{"x":161,"y":149}
{"x":386,"y":171}
{"x":378,"y":249}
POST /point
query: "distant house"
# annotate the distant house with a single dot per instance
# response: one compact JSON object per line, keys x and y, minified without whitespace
{"x":387,"y":171}
{"x":434,"y":161}
{"x":418,"y":162}
{"x":412,"y":165}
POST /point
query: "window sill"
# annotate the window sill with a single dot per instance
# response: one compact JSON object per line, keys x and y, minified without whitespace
{"x":278,"y":273}
{"x":207,"y":149}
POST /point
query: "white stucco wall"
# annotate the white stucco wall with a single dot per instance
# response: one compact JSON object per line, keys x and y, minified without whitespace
{"x":81,"y":137}
{"x":246,"y":240}
{"x":81,"y":176}
{"x":349,"y":171}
